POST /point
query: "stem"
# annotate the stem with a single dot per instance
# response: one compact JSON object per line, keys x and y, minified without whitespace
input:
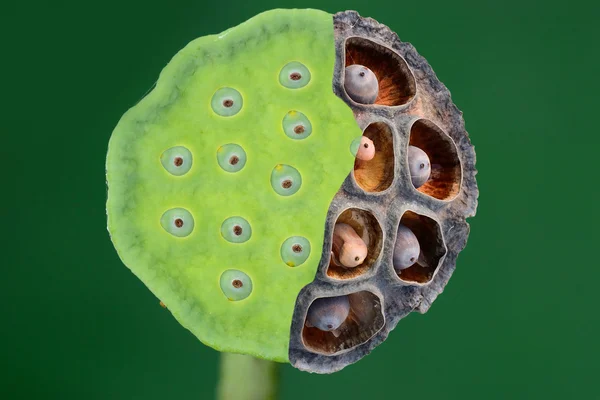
{"x":247,"y":378}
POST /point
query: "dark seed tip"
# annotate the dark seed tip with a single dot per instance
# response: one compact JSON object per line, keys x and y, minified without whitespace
{"x":237,"y":284}
{"x":227,"y":103}
{"x":295,"y":76}
{"x":297,"y":248}
{"x":361,"y":73}
{"x":366,"y":145}
{"x":178,"y":161}
{"x":286,"y":184}
{"x":234,"y":160}
{"x":299,"y":129}
{"x":356,"y":258}
{"x":237,"y":230}
{"x":179,"y":222}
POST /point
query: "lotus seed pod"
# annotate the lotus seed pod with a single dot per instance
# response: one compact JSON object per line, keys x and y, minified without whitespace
{"x":229,"y":182}
{"x":328,"y":313}
{"x":419,"y":166}
{"x":406,"y":249}
{"x":361,"y":84}
{"x":348,"y":249}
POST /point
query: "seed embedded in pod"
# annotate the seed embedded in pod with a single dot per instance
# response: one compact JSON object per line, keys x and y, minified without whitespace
{"x":236,"y":230}
{"x":296,"y":125}
{"x":231,"y":157}
{"x":236,"y":285}
{"x":285,"y":180}
{"x":176,"y":160}
{"x":178,"y":222}
{"x":226,"y":102}
{"x":406,"y":249}
{"x":361,"y":84}
{"x":419,"y":166}
{"x":295,"y":251}
{"x":328,"y":313}
{"x":349,"y":250}
{"x":366,"y":149}
{"x":294,"y":75}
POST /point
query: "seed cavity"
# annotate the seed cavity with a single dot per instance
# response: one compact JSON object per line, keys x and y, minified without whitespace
{"x":177,"y":221}
{"x":236,"y":230}
{"x":235,"y":284}
{"x":294,"y":75}
{"x":176,"y":160}
{"x":231,"y":157}
{"x":295,"y":251}
{"x":296,"y":125}
{"x":285,"y":180}
{"x":226,"y":102}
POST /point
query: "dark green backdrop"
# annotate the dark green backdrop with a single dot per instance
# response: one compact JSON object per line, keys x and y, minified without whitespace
{"x":519,"y":318}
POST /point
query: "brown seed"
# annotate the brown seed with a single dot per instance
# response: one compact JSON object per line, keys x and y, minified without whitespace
{"x":234,"y":160}
{"x":286,"y":184}
{"x":295,"y":76}
{"x":178,"y":161}
{"x":237,"y":283}
{"x":237,"y":230}
{"x":227,"y":103}
{"x":299,"y":129}
{"x":297,"y":248}
{"x":179,"y":222}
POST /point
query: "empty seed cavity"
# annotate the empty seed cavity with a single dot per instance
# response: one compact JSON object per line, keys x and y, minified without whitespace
{"x":231,"y":157}
{"x":295,"y":251}
{"x":356,"y":244}
{"x":176,"y":160}
{"x":296,"y":125}
{"x":294,"y":75}
{"x":236,"y":285}
{"x":177,"y":221}
{"x":236,"y":230}
{"x":285,"y":180}
{"x":445,"y":175}
{"x":338,"y":323}
{"x":374,"y":164}
{"x":419,"y":248}
{"x":396,"y":83}
{"x":226,"y":102}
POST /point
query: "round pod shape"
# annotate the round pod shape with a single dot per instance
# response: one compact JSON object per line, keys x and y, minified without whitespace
{"x":246,"y":214}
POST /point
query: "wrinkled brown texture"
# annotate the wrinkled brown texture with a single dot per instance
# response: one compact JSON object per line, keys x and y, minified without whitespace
{"x":412,"y":99}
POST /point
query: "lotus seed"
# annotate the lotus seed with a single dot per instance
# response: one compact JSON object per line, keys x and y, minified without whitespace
{"x":419,"y":166}
{"x":231,"y":157}
{"x":295,"y":250}
{"x":226,"y":102}
{"x":349,"y":250}
{"x":406,"y":249}
{"x":296,"y":125}
{"x":236,"y":230}
{"x":236,"y":285}
{"x":294,"y":75}
{"x":366,"y":149}
{"x":176,"y":160}
{"x":178,"y":222}
{"x":361,"y":84}
{"x":328,"y":313}
{"x":285,"y":180}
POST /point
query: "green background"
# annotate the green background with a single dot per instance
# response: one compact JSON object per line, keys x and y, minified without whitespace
{"x":519,"y":318}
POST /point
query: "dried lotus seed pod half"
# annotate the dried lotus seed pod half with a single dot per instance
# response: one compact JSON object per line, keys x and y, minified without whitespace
{"x":262,"y":191}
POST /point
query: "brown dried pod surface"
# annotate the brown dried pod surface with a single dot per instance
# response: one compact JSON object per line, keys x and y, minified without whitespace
{"x":412,"y":108}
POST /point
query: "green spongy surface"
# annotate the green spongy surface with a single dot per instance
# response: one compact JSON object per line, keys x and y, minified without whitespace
{"x":184,"y":272}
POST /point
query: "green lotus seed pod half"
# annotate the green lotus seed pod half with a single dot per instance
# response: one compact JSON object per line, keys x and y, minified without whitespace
{"x":285,"y":180}
{"x":231,"y":157}
{"x":226,"y":102}
{"x":295,"y":250}
{"x":222,"y":96}
{"x":236,"y":230}
{"x":296,"y":125}
{"x":235,"y":285}
{"x":178,"y":222}
{"x":294,"y":75}
{"x":177,"y":160}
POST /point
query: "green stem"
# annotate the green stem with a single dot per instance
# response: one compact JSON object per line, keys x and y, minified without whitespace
{"x":247,"y":378}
